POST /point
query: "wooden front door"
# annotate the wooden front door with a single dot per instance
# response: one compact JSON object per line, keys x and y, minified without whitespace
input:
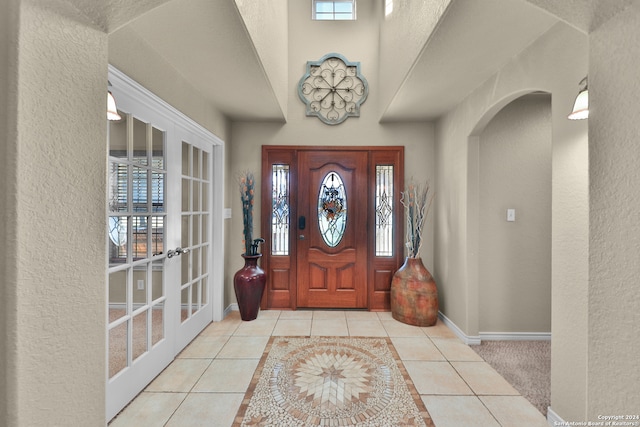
{"x":332,"y":229}
{"x":332,"y":224}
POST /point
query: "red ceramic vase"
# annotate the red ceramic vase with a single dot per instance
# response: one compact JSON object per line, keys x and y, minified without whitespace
{"x":414,"y":295}
{"x":249,"y":283}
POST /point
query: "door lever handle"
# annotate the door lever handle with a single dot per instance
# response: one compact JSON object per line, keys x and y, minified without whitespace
{"x":178,"y":251}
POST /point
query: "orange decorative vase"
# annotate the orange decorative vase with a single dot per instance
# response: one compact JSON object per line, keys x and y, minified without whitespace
{"x":414,"y":295}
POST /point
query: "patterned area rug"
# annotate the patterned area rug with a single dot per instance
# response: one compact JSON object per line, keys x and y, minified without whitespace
{"x":331,"y":381}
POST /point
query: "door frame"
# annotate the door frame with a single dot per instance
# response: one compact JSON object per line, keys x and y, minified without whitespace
{"x":281,"y":291}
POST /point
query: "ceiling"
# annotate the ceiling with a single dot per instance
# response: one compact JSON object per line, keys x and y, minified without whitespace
{"x":206,"y":42}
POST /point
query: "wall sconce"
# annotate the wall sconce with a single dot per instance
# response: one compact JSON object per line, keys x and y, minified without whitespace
{"x":112,"y":110}
{"x":581,"y":106}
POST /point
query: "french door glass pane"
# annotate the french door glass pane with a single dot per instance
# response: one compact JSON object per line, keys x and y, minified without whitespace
{"x":140,"y":151}
{"x":157,"y":323}
{"x":118,"y":348}
{"x":140,"y":334}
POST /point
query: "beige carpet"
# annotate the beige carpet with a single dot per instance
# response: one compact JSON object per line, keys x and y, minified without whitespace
{"x":526,"y":365}
{"x":336,"y":381}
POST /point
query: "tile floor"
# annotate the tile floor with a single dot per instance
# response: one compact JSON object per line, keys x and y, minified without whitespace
{"x":206,"y":383}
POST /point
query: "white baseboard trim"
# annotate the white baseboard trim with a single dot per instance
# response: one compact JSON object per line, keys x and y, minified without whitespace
{"x":493,"y":336}
{"x":554,"y":419}
{"x":515,"y":336}
{"x":469,"y":340}
{"x":230,"y":308}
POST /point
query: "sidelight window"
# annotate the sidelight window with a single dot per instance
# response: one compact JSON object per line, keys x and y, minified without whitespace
{"x":280,"y":213}
{"x":384,"y":210}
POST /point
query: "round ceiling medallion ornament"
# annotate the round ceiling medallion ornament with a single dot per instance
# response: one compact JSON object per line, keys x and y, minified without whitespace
{"x":333,"y":89}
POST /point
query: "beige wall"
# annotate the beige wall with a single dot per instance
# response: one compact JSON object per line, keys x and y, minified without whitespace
{"x":555,"y":63}
{"x":267,"y":25}
{"x":53,"y":345}
{"x":309,"y":41}
{"x":132,"y":56}
{"x":402,"y":38}
{"x":613,"y":380}
{"x":514,"y":269}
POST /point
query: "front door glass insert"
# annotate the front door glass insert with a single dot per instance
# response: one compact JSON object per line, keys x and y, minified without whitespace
{"x":332,"y":209}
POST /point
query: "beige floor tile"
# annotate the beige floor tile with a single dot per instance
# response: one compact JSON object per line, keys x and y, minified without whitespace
{"x":439,"y":330}
{"x":416,"y":348}
{"x":240,"y":347}
{"x":296,"y":315}
{"x":361,"y":315}
{"x":268,"y":314}
{"x":227,"y":376}
{"x":330,"y":327}
{"x":204,"y":347}
{"x":293,"y":327}
{"x":149,"y":409}
{"x":366,"y":328}
{"x":258,"y":327}
{"x":180,"y":375}
{"x":225,"y":327}
{"x":454,"y":349}
{"x":328,"y":314}
{"x":458,"y":411}
{"x":483,"y":379}
{"x":206,"y":409}
{"x":514,"y":411}
{"x":399,"y":329}
{"x":384,"y":315}
{"x":436,"y":378}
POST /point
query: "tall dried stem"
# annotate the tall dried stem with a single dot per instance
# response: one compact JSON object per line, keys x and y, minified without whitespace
{"x":417,"y":204}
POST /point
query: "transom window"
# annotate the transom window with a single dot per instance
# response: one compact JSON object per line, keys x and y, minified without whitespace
{"x":338,"y":10}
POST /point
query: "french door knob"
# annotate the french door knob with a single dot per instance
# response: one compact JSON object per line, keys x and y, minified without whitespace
{"x":178,"y":251}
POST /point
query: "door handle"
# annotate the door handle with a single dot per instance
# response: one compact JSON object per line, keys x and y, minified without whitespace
{"x":302,"y":222}
{"x":178,"y":251}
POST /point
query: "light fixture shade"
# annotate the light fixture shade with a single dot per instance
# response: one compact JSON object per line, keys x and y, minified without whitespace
{"x":581,"y":106}
{"x":112,"y":110}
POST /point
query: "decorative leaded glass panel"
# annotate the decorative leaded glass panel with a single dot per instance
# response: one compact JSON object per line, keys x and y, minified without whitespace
{"x":332,"y":209}
{"x":384,"y":210}
{"x":280,"y":214}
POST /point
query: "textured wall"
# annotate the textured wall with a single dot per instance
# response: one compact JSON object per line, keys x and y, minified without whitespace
{"x":132,"y":56}
{"x":55,"y":342}
{"x":555,"y":63}
{"x":614,"y":296}
{"x":266,"y":23}
{"x":402,"y":37}
{"x":8,"y":217}
{"x":515,"y":257}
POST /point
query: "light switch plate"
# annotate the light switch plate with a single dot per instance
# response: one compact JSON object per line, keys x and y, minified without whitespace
{"x":511,"y":215}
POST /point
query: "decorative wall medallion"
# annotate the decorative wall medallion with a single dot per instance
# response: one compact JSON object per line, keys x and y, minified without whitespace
{"x":333,"y":89}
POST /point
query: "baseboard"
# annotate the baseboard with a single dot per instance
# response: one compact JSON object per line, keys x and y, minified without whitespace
{"x":493,"y":336}
{"x":467,"y":339}
{"x":554,"y":419}
{"x":230,"y":308}
{"x":515,"y":336}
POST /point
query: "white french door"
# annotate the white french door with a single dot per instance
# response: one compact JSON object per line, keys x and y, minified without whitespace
{"x":164,"y":232}
{"x":194,"y":211}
